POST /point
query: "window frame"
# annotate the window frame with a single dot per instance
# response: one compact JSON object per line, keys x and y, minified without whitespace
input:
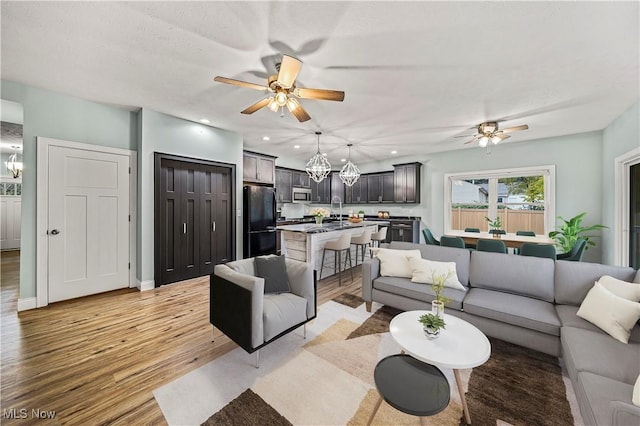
{"x":548,"y":171}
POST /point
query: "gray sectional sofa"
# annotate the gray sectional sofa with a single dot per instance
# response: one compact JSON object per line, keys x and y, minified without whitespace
{"x":531,"y":302}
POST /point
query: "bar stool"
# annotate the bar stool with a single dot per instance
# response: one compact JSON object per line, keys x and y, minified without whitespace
{"x":338,"y":246}
{"x":361,"y":242}
{"x":379,"y":236}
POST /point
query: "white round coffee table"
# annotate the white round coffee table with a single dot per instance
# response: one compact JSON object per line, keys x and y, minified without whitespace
{"x":460,"y":345}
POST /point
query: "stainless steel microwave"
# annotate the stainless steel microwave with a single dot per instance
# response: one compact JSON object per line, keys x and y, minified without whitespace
{"x":301,"y":195}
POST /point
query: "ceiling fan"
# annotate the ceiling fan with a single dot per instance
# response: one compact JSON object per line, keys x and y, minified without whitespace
{"x":283,"y":91}
{"x":488,"y":131}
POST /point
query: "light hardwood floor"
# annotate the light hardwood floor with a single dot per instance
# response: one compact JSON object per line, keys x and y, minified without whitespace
{"x":96,"y":360}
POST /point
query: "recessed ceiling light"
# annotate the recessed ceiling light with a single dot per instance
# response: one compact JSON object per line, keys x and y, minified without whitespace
{"x":205,"y":121}
{"x":266,"y":138}
{"x":343,"y":159}
{"x":394,"y":152}
{"x":296,"y":146}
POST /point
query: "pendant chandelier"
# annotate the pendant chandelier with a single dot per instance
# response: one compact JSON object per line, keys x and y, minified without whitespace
{"x":13,"y":165}
{"x":318,"y":167}
{"x":350,"y":172}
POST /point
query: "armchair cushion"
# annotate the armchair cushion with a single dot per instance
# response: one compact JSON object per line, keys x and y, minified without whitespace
{"x":274,"y":271}
{"x":282,"y":311}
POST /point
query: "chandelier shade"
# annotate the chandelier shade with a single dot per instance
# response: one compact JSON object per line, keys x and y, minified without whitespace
{"x":350,"y":172}
{"x":318,"y":167}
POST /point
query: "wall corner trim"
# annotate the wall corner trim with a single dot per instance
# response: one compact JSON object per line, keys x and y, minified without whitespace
{"x":26,"y":304}
{"x":145,"y":285}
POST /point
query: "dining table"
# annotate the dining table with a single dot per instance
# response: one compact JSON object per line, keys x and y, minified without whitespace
{"x":510,"y":239}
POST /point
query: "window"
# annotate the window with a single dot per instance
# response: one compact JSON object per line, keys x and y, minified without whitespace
{"x":522,"y":198}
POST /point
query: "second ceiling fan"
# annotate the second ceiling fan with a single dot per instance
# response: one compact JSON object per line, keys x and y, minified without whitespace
{"x":488,"y":132}
{"x":284,"y":91}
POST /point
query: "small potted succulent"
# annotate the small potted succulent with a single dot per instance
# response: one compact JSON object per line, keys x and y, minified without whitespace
{"x":431,"y":325}
{"x":495,"y":226}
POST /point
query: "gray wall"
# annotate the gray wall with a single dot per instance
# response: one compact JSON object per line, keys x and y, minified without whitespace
{"x":620,"y":137}
{"x":171,"y":135}
{"x":54,"y":115}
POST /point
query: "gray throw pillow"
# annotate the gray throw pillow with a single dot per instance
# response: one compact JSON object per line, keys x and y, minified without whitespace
{"x":274,"y":271}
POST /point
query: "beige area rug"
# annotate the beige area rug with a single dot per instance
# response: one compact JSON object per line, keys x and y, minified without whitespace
{"x":328,"y":380}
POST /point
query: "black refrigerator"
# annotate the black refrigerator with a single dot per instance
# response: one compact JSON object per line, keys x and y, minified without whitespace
{"x":259,"y":205}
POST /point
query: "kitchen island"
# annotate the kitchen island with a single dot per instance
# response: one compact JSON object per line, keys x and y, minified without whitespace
{"x":305,"y":242}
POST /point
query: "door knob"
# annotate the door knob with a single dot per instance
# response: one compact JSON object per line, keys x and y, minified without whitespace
{"x":55,"y":232}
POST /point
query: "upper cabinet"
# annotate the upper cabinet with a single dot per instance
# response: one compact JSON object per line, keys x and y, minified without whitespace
{"x":321,"y":191}
{"x":301,"y":179}
{"x":380,"y":188}
{"x":258,"y":168}
{"x":407,"y":183}
{"x":337,"y":187}
{"x":358,"y":192}
{"x":283,"y":185}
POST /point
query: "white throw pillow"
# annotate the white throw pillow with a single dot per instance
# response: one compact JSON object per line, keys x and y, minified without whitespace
{"x":613,"y":314}
{"x":395,"y":263}
{"x":621,"y":288}
{"x":424,"y":270}
{"x":636,"y":393}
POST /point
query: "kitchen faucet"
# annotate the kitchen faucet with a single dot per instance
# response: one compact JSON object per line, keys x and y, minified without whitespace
{"x":336,"y":200}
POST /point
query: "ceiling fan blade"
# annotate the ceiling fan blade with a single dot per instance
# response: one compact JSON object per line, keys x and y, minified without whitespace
{"x":289,"y":69}
{"x":503,"y":137}
{"x":327,"y":95}
{"x":467,"y":136}
{"x":239,"y":83}
{"x":253,"y":108}
{"x":472,"y":140}
{"x":515,"y":129}
{"x":296,"y":109}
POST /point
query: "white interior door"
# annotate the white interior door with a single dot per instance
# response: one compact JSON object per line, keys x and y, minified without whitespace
{"x":10,"y":219}
{"x":88,"y":222}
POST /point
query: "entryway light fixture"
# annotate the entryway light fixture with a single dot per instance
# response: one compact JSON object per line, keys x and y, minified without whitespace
{"x":13,"y":165}
{"x":318,"y":167}
{"x":350,"y":172}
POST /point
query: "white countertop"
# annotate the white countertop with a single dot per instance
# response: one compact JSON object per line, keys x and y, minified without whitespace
{"x":312,"y":228}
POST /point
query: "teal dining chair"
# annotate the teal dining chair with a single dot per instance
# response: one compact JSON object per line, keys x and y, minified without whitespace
{"x":524,"y":234}
{"x":452,"y":242}
{"x":576,"y":252}
{"x":429,"y":238}
{"x":495,"y":246}
{"x":471,"y":246}
{"x":538,"y":250}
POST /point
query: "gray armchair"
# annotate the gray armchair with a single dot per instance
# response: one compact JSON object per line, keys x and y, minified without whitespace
{"x":252,"y":319}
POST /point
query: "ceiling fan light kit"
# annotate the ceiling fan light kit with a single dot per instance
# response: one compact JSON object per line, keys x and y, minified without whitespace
{"x":285,"y":91}
{"x":318,"y":167}
{"x":489,"y":131}
{"x":350,"y":172}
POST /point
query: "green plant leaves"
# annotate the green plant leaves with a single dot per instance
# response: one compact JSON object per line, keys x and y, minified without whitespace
{"x":571,"y":230}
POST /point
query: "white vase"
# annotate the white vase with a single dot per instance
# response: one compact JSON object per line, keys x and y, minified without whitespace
{"x":437,"y":308}
{"x":431,"y":333}
{"x":319,"y":220}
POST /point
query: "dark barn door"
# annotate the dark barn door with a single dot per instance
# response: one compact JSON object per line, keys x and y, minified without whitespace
{"x":194,"y":223}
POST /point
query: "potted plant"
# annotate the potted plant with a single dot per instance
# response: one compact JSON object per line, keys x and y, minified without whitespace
{"x":495,"y":226}
{"x":361,"y":213}
{"x":437,"y":304}
{"x":431,"y":325}
{"x":571,"y":230}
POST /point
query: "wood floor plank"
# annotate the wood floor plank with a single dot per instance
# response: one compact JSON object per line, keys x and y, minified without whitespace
{"x":97,"y":359}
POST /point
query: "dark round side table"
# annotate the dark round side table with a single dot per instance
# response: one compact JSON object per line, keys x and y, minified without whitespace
{"x":410,"y":386}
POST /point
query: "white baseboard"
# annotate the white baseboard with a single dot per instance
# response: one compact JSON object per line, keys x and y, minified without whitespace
{"x":145,"y":285}
{"x":27,"y":303}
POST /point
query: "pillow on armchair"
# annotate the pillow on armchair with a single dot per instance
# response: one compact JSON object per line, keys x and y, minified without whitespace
{"x":274,"y":271}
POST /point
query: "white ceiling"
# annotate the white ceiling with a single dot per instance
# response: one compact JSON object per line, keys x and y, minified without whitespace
{"x":415,"y":74}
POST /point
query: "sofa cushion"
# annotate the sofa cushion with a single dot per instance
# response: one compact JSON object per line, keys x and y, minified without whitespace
{"x":424,"y":271}
{"x":522,"y":311}
{"x":522,"y":275}
{"x":423,"y":292}
{"x":281,"y":312}
{"x":611,"y":313}
{"x":441,"y":254}
{"x":573,"y":280}
{"x":598,"y":392}
{"x":395,"y":263}
{"x":601,"y":354}
{"x":627,"y":290}
{"x":568,"y":318}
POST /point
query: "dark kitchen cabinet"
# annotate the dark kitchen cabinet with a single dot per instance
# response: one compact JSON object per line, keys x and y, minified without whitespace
{"x":380,"y":188}
{"x":300,"y":180}
{"x":337,"y":187}
{"x":283,"y":185}
{"x":358,"y":192}
{"x":407,"y":183}
{"x":195,"y":224}
{"x":321,"y":191}
{"x":258,"y":168}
